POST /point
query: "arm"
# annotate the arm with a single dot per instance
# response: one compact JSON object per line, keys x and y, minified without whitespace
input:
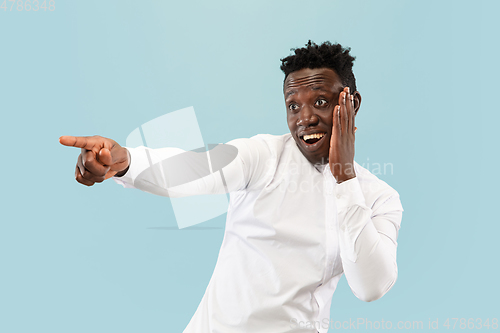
{"x":240,"y":164}
{"x":368,"y":240}
{"x":173,"y":172}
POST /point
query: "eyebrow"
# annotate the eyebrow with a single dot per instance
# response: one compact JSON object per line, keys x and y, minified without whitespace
{"x":319,"y":88}
{"x":290,"y":92}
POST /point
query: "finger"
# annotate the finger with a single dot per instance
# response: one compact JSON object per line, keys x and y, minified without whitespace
{"x":344,"y":120}
{"x":116,"y":156}
{"x":86,"y":174}
{"x":341,"y":98}
{"x":353,"y":115}
{"x":337,"y":126}
{"x":120,"y":158}
{"x":92,"y":165}
{"x":105,"y":157}
{"x":80,"y":179}
{"x":79,"y":164}
{"x":340,"y":103}
{"x":110,"y":174}
{"x":348,"y":111}
{"x":85,"y":142}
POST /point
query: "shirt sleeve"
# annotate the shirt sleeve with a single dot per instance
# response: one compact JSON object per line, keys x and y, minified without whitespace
{"x":240,"y":164}
{"x":368,"y":239}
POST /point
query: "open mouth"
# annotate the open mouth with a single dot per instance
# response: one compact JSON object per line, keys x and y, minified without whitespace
{"x":311,"y":139}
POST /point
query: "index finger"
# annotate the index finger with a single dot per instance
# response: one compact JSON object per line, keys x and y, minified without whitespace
{"x":84,"y":142}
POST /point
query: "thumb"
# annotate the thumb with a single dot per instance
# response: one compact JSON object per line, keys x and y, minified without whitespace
{"x":105,"y":157}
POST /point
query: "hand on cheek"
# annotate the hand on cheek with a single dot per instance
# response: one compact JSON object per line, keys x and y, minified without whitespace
{"x":341,"y":155}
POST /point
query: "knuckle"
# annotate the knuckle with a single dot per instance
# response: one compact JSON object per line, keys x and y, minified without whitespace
{"x":95,"y":169}
{"x":77,"y":173}
{"x":84,"y":174}
{"x":87,"y":164}
{"x":97,"y":174}
{"x":80,"y":180}
{"x":87,"y":175}
{"x":80,"y":160}
{"x":89,"y":155}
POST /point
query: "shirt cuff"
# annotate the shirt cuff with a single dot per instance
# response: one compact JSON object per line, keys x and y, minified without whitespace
{"x":127,"y":179}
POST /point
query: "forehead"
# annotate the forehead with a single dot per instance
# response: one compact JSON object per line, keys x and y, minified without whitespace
{"x":307,"y":78}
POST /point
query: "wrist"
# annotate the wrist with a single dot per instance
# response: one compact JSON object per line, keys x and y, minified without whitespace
{"x":342,"y":171}
{"x":343,"y":178}
{"x":124,"y":171}
{"x":121,"y":173}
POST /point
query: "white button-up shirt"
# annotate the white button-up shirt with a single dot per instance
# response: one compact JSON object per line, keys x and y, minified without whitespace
{"x":291,"y":232}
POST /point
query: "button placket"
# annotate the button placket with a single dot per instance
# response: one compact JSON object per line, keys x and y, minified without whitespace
{"x":330,"y":224}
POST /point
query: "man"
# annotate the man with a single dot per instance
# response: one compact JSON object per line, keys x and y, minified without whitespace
{"x":301,"y":211}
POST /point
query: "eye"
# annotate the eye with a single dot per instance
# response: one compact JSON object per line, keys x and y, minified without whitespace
{"x":321,"y":102}
{"x":293,"y":107}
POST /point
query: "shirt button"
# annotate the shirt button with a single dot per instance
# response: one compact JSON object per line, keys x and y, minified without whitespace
{"x":338,"y":196}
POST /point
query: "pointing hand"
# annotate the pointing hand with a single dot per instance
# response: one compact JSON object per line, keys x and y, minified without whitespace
{"x":100,"y":158}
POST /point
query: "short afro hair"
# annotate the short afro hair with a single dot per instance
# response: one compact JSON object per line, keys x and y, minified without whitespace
{"x":326,"y":55}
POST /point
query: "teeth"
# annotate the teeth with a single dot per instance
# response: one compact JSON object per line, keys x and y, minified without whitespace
{"x":313,"y":136}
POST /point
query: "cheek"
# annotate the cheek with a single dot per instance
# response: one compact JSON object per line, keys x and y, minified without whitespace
{"x":292,"y":122}
{"x":327,"y":119}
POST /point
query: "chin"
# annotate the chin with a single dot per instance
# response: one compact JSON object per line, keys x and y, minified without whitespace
{"x":321,"y":160}
{"x":315,"y":158}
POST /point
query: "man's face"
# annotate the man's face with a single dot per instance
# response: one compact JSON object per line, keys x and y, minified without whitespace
{"x":310,"y":97}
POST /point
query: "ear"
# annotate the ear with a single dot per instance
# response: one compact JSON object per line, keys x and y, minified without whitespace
{"x":357,"y":101}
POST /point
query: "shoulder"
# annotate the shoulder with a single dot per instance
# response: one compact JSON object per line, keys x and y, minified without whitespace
{"x":275,"y":142}
{"x":272,"y":145}
{"x":260,"y":156}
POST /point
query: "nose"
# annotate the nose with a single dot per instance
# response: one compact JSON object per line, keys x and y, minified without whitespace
{"x":307,"y":117}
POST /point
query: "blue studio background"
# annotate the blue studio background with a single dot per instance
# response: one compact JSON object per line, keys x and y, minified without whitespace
{"x":108,"y":259}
